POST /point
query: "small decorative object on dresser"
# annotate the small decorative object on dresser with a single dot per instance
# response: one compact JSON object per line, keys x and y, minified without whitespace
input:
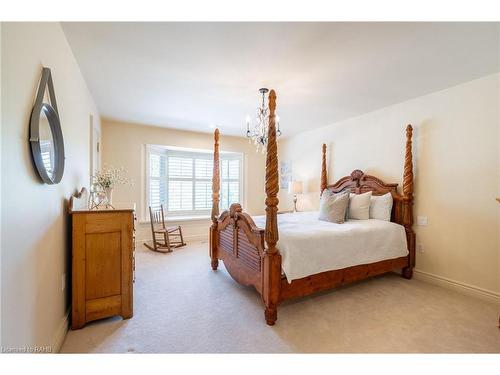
{"x":295,"y":187}
{"x":79,"y":200}
{"x":103,"y":262}
{"x":97,"y":196}
{"x":104,"y":182}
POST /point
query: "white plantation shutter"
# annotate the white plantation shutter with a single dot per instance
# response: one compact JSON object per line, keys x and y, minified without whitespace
{"x":230,"y":182}
{"x":180,"y":167}
{"x":180,"y":195}
{"x":203,"y":168}
{"x":203,"y":195}
{"x":157,"y":181}
{"x":234,"y":169}
{"x":182,"y":180}
{"x":203,"y":184}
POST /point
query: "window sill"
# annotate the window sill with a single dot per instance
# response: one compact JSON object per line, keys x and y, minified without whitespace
{"x":176,"y":219}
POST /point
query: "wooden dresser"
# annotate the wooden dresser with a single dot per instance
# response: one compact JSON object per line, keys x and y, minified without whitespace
{"x":103,"y":264}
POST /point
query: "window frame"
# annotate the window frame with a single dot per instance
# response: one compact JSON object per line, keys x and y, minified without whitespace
{"x":194,"y":154}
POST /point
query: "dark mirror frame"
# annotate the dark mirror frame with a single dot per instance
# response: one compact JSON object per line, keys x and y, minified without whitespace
{"x":52,"y":114}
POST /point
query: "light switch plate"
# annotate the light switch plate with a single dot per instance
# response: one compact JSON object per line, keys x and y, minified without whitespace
{"x":422,"y":220}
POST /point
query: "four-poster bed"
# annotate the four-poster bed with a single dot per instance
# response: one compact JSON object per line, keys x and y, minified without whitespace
{"x":250,"y":254}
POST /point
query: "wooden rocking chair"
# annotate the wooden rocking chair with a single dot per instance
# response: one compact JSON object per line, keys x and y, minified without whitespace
{"x":172,"y":236}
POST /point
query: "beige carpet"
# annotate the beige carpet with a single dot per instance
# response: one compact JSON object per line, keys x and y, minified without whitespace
{"x":182,"y":306}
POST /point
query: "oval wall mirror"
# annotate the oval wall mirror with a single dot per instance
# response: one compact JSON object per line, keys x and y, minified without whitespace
{"x":46,"y":139}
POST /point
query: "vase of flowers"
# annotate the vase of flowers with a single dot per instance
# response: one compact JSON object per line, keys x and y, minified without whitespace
{"x":106,"y":180}
{"x":109,"y":195}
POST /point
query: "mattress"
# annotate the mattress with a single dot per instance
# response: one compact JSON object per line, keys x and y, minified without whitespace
{"x":309,"y":246}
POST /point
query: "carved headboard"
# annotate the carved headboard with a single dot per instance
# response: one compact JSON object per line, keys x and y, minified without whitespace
{"x":359,"y":182}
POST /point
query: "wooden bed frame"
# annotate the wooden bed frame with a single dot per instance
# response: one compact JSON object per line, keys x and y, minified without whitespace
{"x":250,"y":255}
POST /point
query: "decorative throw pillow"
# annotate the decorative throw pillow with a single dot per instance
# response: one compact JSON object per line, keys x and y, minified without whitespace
{"x":359,"y":206}
{"x":332,"y":207}
{"x":381,"y":207}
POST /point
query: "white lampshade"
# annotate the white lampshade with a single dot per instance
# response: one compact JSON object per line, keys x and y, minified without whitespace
{"x":295,"y":187}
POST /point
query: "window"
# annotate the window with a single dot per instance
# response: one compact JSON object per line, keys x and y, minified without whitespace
{"x":181,"y":180}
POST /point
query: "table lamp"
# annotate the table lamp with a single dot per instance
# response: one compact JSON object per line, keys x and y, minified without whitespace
{"x":295,"y":187}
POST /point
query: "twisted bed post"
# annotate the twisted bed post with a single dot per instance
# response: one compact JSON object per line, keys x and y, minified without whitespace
{"x":215,"y":203}
{"x":324,"y":179}
{"x":408,"y":203}
{"x":271,"y":273}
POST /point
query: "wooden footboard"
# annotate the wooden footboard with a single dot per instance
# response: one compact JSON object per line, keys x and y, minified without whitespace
{"x":238,"y":242}
{"x":234,"y":237}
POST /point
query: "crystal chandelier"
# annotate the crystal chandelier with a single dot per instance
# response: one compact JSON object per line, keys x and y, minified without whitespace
{"x":258,"y":133}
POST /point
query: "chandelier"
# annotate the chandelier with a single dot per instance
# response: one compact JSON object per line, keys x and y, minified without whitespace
{"x":259,"y":133}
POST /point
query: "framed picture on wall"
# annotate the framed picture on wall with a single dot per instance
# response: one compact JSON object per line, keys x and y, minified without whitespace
{"x":285,"y":173}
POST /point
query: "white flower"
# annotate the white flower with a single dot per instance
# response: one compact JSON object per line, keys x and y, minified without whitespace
{"x":109,"y":177}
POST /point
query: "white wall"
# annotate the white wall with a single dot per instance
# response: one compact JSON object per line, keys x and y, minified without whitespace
{"x":457,"y":172}
{"x":35,"y":233}
{"x":1,"y":127}
{"x":123,"y":145}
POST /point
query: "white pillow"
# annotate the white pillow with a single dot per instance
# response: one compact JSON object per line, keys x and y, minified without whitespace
{"x":359,"y":206}
{"x":381,"y":207}
{"x":332,"y":207}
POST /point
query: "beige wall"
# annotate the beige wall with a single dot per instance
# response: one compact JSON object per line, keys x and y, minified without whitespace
{"x":35,"y":248}
{"x":123,"y":145}
{"x":457,"y":166}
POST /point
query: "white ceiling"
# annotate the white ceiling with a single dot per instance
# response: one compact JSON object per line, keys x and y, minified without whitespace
{"x":194,"y":75}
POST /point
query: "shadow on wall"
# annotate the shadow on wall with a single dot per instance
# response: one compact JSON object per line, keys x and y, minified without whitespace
{"x":68,"y":232}
{"x":45,"y":284}
{"x":421,"y":156}
{"x":41,"y":284}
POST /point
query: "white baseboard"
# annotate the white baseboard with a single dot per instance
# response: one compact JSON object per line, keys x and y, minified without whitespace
{"x":61,"y":333}
{"x":471,"y":290}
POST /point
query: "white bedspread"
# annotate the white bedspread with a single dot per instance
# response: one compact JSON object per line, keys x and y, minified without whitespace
{"x":309,"y":246}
